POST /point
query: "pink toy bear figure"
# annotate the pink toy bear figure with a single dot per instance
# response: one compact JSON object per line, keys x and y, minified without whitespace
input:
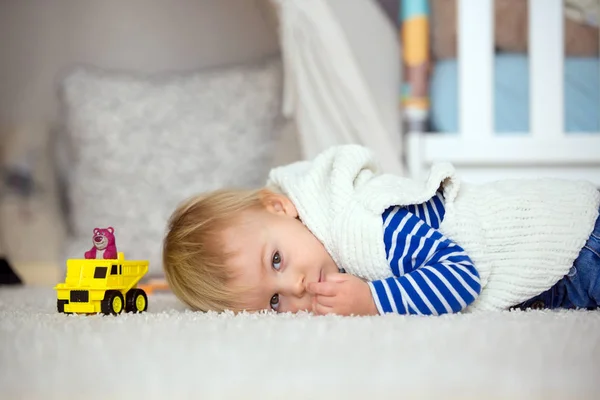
{"x":104,"y":245}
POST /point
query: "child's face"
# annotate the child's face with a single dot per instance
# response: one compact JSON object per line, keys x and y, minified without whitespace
{"x":276,"y":256}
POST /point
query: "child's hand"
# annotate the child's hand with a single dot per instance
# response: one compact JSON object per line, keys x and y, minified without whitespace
{"x":342,"y":294}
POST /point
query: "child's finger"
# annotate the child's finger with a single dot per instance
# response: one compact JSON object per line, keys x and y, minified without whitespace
{"x":327,"y":301}
{"x":320,"y":309}
{"x":322,"y":288}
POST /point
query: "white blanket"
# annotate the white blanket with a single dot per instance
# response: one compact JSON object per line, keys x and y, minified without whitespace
{"x":170,"y":352}
{"x":341,"y":83}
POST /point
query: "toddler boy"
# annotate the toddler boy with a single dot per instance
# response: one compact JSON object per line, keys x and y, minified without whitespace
{"x":337,"y":236}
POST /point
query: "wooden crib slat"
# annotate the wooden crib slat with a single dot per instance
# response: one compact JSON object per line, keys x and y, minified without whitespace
{"x":475,"y":68}
{"x":546,"y":64}
{"x":476,"y":151}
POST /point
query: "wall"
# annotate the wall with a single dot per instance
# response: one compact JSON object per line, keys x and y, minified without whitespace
{"x":41,"y":38}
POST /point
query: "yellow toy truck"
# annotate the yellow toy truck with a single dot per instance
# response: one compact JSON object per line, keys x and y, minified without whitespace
{"x":102,"y":285}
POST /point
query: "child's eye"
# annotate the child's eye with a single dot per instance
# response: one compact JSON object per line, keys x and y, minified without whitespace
{"x":276,"y":261}
{"x":275,"y":302}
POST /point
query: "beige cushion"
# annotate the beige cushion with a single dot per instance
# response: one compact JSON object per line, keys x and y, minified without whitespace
{"x":144,"y":144}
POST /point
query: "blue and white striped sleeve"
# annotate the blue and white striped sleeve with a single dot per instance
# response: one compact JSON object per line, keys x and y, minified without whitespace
{"x":432,"y":274}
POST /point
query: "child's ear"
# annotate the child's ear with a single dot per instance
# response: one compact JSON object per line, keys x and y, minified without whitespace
{"x":278,"y":204}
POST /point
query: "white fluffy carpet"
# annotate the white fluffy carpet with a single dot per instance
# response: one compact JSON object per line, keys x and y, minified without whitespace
{"x":171,"y":352}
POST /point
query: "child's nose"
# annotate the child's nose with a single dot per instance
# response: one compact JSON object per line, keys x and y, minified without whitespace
{"x":297,"y":285}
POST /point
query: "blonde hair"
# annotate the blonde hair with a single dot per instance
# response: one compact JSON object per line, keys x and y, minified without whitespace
{"x":194,"y":256}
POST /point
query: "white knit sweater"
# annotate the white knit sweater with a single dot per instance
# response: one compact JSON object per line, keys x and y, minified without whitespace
{"x":522,"y":235}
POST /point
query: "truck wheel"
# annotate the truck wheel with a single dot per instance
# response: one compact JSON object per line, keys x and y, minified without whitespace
{"x":60,"y":305}
{"x":136,"y":301}
{"x":113,"y":302}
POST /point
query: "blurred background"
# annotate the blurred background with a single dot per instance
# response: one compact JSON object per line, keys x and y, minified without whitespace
{"x":112,"y":112}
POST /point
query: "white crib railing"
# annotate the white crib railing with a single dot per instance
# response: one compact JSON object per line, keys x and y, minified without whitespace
{"x":478,"y":153}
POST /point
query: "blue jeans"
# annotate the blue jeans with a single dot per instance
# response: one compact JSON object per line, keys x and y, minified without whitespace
{"x":580,"y":288}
